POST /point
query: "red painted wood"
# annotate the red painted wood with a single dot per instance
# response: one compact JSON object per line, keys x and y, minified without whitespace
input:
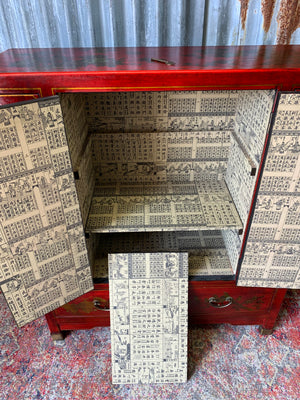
{"x":13,"y":95}
{"x":81,"y":313}
{"x":139,"y":58}
{"x":16,"y":98}
{"x":271,"y":316}
{"x":121,"y":69}
{"x":259,"y":306}
{"x":79,"y":322}
{"x":84,"y":305}
{"x":53,"y":324}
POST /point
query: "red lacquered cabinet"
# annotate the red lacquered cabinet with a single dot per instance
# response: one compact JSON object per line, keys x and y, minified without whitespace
{"x":225,"y":120}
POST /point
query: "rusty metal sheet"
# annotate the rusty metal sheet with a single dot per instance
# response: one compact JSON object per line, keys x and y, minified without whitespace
{"x":97,"y":23}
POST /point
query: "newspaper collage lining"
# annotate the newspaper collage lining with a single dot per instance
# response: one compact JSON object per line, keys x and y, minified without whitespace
{"x":44,"y":261}
{"x":272,"y":253}
{"x":207,"y":255}
{"x":171,"y":176}
{"x":149,"y":310}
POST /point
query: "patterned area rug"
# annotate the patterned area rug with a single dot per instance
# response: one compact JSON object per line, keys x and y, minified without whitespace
{"x":225,"y":362}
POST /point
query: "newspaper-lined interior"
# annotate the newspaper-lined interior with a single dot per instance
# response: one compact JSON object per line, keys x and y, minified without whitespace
{"x":176,"y":161}
{"x":207,"y":255}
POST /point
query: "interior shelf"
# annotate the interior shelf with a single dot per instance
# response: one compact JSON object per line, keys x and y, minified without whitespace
{"x":165,"y":206}
{"x":208,"y":257}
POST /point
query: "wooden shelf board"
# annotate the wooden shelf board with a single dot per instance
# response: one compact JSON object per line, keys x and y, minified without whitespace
{"x":180,"y":206}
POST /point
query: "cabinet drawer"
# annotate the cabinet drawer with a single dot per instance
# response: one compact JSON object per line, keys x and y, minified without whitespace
{"x":209,"y":303}
{"x":224,"y":302}
{"x":87,"y":311}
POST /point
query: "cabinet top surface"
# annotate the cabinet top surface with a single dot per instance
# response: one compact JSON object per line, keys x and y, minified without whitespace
{"x":139,"y":59}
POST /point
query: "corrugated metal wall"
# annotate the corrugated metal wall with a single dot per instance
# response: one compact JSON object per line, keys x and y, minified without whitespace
{"x":89,"y":23}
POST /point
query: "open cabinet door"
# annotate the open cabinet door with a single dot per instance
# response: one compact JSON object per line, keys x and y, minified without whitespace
{"x":272,"y":252}
{"x":44,"y":261}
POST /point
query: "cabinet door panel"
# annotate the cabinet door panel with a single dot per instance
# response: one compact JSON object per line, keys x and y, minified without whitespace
{"x":44,"y":262}
{"x":272,"y":251}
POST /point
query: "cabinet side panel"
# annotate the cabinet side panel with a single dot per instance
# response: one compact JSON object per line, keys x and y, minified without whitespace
{"x":251,"y":125}
{"x":252,"y":119}
{"x":44,"y":260}
{"x":272,"y":251}
{"x":75,"y":123}
{"x":79,"y":143}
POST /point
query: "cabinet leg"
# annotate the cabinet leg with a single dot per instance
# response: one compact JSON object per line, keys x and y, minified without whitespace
{"x":268,"y":325}
{"x":54,"y":328}
{"x":57,"y":336}
{"x":265,"y":331}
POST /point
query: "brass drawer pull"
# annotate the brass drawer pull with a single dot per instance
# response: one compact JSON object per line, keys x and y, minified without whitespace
{"x":221,"y":302}
{"x":100,"y":305}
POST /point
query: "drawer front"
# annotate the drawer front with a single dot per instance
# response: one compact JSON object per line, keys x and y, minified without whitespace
{"x":211,"y":300}
{"x":216,"y":300}
{"x":209,"y":303}
{"x":92,"y":304}
{"x":87,"y":311}
{"x":227,"y":303}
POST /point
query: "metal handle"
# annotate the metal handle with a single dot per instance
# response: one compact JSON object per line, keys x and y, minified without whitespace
{"x":220,"y":303}
{"x":163,"y":61}
{"x":100,"y":305}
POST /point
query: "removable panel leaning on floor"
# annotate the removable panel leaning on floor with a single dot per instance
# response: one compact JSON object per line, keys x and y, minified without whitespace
{"x":149,"y":311}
